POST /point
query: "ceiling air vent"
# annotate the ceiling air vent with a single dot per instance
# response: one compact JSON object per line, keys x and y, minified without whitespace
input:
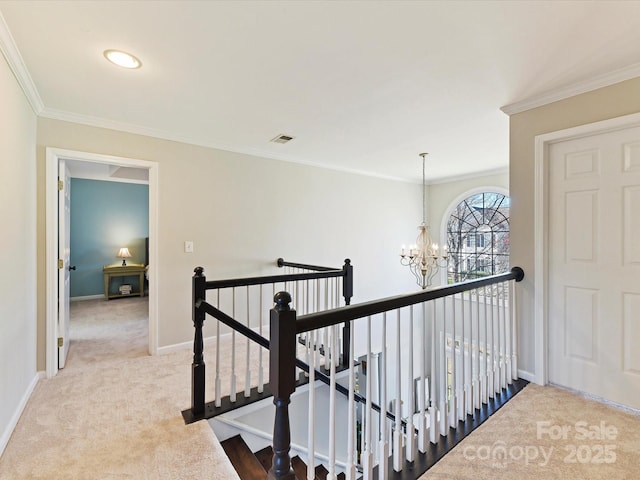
{"x":282,"y":139}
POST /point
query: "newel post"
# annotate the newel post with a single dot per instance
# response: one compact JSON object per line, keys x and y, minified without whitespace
{"x":282,"y":380}
{"x":347,"y":293}
{"x":199,"y":290}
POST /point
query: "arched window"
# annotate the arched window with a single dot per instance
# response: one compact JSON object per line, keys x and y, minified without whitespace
{"x":478,"y":237}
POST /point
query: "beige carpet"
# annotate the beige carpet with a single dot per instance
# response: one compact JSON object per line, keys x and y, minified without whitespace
{"x":548,"y":433}
{"x":114,"y":413}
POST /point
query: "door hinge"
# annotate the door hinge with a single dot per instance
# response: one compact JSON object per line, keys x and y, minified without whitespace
{"x":60,"y":264}
{"x":60,"y":185}
{"x":60,"y":341}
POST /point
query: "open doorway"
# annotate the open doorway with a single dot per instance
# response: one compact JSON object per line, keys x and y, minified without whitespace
{"x":92,"y":167}
{"x":108,"y":312}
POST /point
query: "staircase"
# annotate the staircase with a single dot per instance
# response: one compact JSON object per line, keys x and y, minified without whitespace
{"x":254,"y":466}
{"x":450,"y":361}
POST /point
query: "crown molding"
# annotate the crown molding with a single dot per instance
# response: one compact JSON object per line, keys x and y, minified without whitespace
{"x":593,"y":83}
{"x":92,"y":121}
{"x":470,"y":175}
{"x":98,"y":122}
{"x":18,"y":67}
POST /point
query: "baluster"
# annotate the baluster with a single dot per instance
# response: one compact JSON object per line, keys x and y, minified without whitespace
{"x":320,"y":340}
{"x":247,"y":380}
{"x":383,"y":447}
{"x":485,"y":377}
{"x":513,"y":314}
{"x":422,"y":419}
{"x":232,"y":395}
{"x":503,"y":337}
{"x":434,"y":423}
{"x":453,"y":402}
{"x":351,"y":419}
{"x":311,"y":458}
{"x":444,"y":375}
{"x":308,"y":350}
{"x":397,"y":432}
{"x":498,"y":334}
{"x":332,"y":304}
{"x":367,"y":454}
{"x":260,"y":365}
{"x":410,"y":445}
{"x":498,"y":374}
{"x":332,"y":406}
{"x":218,"y":379}
{"x":462,"y":402}
{"x":477,"y":375}
{"x":468,"y":355}
{"x":328,"y":352}
{"x":492,"y":383}
{"x":507,"y":333}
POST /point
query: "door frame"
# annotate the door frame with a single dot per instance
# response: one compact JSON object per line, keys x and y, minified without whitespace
{"x":541,"y":227}
{"x":53,"y":157}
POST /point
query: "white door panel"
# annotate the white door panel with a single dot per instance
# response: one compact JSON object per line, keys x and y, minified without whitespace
{"x":594,"y":265}
{"x":64,"y":233}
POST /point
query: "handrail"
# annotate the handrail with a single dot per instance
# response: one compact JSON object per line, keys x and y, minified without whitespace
{"x":282,"y":263}
{"x":243,"y":282}
{"x":313,"y":321}
{"x":319,"y":272}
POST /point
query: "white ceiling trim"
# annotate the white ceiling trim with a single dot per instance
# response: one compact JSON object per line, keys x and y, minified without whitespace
{"x":164,"y":135}
{"x":593,"y":83}
{"x":467,"y":176}
{"x":18,"y":67}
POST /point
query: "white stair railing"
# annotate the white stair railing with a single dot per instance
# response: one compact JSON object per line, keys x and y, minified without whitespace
{"x":447,"y":357}
{"x":449,"y":351}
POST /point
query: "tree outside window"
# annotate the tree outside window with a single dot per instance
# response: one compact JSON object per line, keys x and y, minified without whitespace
{"x":478,"y":237}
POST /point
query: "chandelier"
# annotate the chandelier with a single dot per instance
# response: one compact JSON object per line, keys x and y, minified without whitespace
{"x":423,"y":258}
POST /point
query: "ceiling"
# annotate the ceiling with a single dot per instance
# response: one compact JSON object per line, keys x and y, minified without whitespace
{"x":362,"y":86}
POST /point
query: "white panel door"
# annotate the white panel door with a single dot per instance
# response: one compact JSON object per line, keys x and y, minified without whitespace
{"x":64,"y":234}
{"x":594,"y":265}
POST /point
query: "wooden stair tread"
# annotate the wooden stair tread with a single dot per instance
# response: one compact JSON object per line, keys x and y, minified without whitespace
{"x":299,"y":468}
{"x":265,"y":457}
{"x":321,"y":472}
{"x":243,"y":459}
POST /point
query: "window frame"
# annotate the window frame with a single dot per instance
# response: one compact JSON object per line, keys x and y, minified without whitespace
{"x":452,"y":206}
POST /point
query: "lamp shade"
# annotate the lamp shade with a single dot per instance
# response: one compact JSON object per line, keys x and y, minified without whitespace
{"x":124,"y":253}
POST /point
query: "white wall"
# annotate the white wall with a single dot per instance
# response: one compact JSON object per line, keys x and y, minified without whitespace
{"x":17,"y":252}
{"x":243,"y":212}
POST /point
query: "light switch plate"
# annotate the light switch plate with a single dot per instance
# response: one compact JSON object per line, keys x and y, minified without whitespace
{"x":188,"y":246}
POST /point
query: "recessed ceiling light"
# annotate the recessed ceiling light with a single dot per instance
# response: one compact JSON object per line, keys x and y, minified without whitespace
{"x":122,"y":59}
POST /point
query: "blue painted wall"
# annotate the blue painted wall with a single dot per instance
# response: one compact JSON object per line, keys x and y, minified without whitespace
{"x":104,"y":217}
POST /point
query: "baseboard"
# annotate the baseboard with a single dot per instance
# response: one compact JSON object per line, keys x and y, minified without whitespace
{"x":6,"y":435}
{"x":180,"y":347}
{"x":86,"y":297}
{"x":528,"y":376}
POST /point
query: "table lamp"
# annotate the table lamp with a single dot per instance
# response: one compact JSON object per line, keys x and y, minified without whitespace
{"x":123,"y":253}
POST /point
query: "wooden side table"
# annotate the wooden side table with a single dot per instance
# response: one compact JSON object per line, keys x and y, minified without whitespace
{"x":131,"y":270}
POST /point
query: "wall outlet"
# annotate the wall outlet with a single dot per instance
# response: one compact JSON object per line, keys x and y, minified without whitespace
{"x":188,"y":246}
